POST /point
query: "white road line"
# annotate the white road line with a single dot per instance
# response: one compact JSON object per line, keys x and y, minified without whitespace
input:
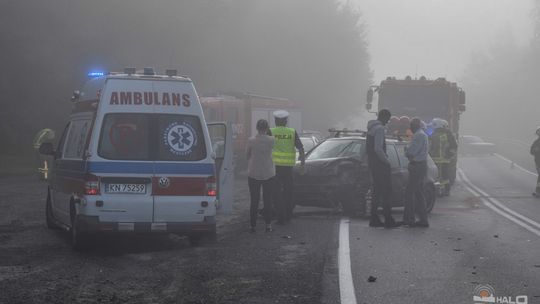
{"x":515,"y":165}
{"x":497,"y":202}
{"x":346,"y":286}
{"x":498,"y":206}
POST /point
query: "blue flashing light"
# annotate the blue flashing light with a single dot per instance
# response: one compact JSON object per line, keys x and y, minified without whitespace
{"x":96,"y":74}
{"x":429,"y":131}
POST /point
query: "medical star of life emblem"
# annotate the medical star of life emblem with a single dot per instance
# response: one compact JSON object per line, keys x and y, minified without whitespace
{"x":180,"y":138}
{"x":164,"y":182}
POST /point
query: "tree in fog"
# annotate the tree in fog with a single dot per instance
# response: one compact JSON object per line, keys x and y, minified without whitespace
{"x":310,"y":51}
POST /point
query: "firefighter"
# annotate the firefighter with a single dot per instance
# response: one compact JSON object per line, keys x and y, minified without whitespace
{"x":379,"y":165}
{"x":442,"y":149}
{"x":284,"y":157}
{"x":535,"y":151}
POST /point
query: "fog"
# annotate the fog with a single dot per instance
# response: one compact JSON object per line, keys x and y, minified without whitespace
{"x":486,"y":46}
{"x":322,"y":54}
{"x":311,"y":52}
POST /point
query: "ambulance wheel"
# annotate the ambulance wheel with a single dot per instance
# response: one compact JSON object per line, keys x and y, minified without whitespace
{"x":49,"y":218}
{"x":79,"y":240}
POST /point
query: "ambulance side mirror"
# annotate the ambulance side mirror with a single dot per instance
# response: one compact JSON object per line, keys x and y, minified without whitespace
{"x":213,"y":155}
{"x":47,"y":149}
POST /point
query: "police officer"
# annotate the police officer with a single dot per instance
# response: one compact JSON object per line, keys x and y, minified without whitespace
{"x":417,"y":152}
{"x":535,"y":151}
{"x":443,"y":148}
{"x":379,"y":165}
{"x":284,"y":157}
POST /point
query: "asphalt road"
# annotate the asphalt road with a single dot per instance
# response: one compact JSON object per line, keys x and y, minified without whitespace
{"x":471,"y":241}
{"x":37,"y":265}
{"x":486,"y":232}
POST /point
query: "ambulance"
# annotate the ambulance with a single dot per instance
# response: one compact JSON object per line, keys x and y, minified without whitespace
{"x":137,"y":156}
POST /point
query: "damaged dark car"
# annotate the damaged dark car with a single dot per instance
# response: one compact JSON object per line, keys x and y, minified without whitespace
{"x":336,"y":175}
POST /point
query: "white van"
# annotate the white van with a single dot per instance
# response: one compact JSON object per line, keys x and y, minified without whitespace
{"x":138,"y":156}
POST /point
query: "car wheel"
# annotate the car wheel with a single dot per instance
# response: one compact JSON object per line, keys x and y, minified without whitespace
{"x":49,"y":218}
{"x":430,"y":196}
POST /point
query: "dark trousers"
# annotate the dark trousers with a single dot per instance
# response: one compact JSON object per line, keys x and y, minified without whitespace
{"x":255,"y":194}
{"x":382,"y":190}
{"x":283,"y":199}
{"x":415,"y":202}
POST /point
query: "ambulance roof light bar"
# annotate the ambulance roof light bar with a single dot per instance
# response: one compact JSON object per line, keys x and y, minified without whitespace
{"x":130,"y":70}
{"x":171,"y":72}
{"x":149,"y":71}
{"x":96,"y":74}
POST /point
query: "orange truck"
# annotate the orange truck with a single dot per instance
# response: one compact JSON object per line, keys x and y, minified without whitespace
{"x":243,"y":110}
{"x":424,"y":98}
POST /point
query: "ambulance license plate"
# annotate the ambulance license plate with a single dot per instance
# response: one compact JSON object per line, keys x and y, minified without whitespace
{"x":126,"y":188}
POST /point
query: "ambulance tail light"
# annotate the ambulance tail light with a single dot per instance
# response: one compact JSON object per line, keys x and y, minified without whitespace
{"x":211,"y":186}
{"x":91,"y":185}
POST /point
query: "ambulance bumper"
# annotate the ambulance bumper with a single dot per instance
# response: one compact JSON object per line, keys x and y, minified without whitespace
{"x":91,"y":224}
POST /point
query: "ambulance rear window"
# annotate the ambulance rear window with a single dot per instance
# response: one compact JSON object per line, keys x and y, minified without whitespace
{"x":182,"y":138}
{"x":125,"y":136}
{"x":160,"y":137}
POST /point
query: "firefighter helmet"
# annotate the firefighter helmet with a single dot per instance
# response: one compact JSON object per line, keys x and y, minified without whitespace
{"x":445,"y":124}
{"x":437,"y":123}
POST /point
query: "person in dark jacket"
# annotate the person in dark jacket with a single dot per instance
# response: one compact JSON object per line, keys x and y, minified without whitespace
{"x":379,"y":165}
{"x":535,"y":151}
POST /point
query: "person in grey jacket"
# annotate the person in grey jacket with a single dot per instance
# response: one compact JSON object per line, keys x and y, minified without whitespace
{"x":379,"y":166}
{"x":417,"y":153}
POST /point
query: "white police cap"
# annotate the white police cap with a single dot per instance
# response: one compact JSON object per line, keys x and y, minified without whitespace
{"x":281,"y":114}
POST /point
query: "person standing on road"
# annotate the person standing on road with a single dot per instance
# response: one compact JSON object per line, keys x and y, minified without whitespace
{"x":443,"y":148}
{"x":284,"y":156}
{"x":379,"y":165}
{"x":535,"y":150}
{"x":417,"y":152}
{"x":261,"y":172}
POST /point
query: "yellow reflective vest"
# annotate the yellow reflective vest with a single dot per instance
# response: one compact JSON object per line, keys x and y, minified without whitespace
{"x":284,"y":152}
{"x":438,"y":147}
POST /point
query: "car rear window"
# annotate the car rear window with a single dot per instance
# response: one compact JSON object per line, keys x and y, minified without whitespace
{"x":338,"y":148}
{"x":138,"y":136}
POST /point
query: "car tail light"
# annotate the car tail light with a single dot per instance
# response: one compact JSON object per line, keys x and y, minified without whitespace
{"x":91,"y":185}
{"x":211,"y":186}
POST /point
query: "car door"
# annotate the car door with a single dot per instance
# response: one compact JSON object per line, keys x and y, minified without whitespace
{"x":221,"y":138}
{"x":59,"y":191}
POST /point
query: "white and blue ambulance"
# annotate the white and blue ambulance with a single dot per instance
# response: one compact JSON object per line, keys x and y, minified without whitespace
{"x":138,"y":156}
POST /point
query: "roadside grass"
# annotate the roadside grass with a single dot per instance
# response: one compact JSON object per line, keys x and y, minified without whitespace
{"x":17,"y":165}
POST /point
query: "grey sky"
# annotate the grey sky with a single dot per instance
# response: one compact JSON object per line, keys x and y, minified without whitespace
{"x":437,"y":37}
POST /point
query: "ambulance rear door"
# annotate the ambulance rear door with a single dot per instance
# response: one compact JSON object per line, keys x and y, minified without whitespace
{"x":222,"y":146}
